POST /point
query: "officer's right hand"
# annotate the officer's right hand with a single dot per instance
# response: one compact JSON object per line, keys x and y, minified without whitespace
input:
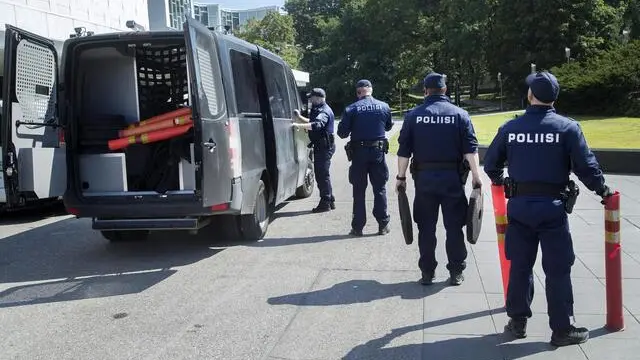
{"x":605,"y":193}
{"x":401,"y":185}
{"x":296,"y":113}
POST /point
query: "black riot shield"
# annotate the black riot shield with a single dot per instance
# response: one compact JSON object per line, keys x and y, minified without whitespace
{"x":474,"y":215}
{"x":405,"y":216}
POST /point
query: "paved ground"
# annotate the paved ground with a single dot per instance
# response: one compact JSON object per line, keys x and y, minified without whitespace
{"x":307,"y":291}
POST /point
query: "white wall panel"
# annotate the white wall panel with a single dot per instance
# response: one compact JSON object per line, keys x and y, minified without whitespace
{"x":57,"y":18}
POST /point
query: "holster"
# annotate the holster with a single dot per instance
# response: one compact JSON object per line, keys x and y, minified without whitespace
{"x":571,"y":196}
{"x":349,"y":150}
{"x":567,"y":193}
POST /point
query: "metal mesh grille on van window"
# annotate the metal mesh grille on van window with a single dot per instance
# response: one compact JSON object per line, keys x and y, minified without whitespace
{"x":207,"y":80}
{"x":162,"y":79}
{"x":35,"y":78}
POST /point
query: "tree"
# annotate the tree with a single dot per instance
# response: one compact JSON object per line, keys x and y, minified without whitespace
{"x":276,"y":33}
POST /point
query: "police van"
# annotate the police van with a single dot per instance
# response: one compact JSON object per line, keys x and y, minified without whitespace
{"x":235,"y":155}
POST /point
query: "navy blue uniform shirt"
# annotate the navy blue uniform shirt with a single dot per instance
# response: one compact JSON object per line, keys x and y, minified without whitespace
{"x":542,"y":146}
{"x":321,"y":119}
{"x":437,"y":131}
{"x":366,"y":120}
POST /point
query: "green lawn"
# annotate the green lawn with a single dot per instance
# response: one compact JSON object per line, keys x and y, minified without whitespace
{"x":601,"y":132}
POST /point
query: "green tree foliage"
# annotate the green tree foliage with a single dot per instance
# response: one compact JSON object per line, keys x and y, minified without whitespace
{"x":276,"y":33}
{"x":607,"y":84}
{"x":395,"y":43}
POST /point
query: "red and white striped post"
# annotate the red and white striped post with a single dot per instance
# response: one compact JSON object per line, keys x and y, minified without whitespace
{"x":500,"y":214}
{"x":613,"y":263}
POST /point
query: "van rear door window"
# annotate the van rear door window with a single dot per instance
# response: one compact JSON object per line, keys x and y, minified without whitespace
{"x":244,"y":83}
{"x":277,"y":89}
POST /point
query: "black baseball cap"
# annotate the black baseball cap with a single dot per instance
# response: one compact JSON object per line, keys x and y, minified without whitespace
{"x":544,"y":86}
{"x":363,"y":84}
{"x":435,"y":81}
{"x":317,"y":92}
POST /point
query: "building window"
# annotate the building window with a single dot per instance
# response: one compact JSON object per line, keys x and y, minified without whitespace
{"x":177,"y":11}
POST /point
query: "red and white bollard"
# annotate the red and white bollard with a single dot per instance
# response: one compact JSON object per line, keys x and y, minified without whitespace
{"x":613,"y":263}
{"x":500,"y":214}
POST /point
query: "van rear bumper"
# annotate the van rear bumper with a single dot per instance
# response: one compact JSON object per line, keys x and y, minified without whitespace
{"x":178,"y":207}
{"x":150,"y":224}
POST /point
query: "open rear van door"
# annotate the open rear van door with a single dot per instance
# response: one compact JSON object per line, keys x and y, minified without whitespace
{"x":29,"y":133}
{"x":216,"y":147}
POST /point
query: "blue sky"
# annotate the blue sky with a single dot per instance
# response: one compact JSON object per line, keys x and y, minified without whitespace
{"x":244,"y":4}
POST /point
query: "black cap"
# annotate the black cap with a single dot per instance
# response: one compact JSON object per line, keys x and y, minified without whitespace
{"x":363,"y":84}
{"x":435,"y":81}
{"x":544,"y":86}
{"x":317,"y":92}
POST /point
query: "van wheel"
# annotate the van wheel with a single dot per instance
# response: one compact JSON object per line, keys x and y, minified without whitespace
{"x":254,"y":226}
{"x":125,"y":236}
{"x":306,"y":189}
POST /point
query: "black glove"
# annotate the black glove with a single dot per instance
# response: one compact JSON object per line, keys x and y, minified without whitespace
{"x":604,"y":193}
{"x":498,"y":181}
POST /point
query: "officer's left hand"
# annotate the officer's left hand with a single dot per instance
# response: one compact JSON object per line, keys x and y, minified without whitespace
{"x":400,"y":184}
{"x":477,"y":183}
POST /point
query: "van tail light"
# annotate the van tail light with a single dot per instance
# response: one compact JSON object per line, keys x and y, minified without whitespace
{"x":61,"y":142}
{"x":73,"y":211}
{"x":220,"y":207}
{"x":235,"y":150}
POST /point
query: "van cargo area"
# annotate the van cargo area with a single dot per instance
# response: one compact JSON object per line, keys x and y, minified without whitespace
{"x":119,"y":85}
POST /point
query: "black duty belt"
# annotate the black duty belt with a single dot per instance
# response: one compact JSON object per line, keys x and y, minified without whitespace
{"x":374,"y":143}
{"x":419,"y":166}
{"x":538,"y":189}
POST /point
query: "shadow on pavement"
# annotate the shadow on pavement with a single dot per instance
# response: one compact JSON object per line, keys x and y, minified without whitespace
{"x":274,"y":242}
{"x":358,"y":291}
{"x":485,"y":347}
{"x":84,"y":288}
{"x":28,"y":215}
{"x":78,"y":263}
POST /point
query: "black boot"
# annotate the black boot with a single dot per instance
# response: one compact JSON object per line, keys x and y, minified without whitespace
{"x":355,"y":232}
{"x":517,"y":327}
{"x":323,"y":206}
{"x":332,"y":204}
{"x":383,"y":230}
{"x":571,"y":336}
{"x":427,"y":278}
{"x":456,"y":278}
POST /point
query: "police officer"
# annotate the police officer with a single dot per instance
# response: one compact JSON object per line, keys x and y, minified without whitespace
{"x":540,"y":148}
{"x":440,"y":137}
{"x":366,"y":121}
{"x":320,"y":127}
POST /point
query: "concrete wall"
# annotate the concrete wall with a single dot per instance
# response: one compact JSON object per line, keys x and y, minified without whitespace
{"x":612,"y":161}
{"x":56,"y":19}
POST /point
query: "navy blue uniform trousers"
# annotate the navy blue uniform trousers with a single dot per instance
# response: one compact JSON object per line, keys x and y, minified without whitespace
{"x":426,"y":206}
{"x":322,"y":155}
{"x":533,"y":221}
{"x":371,"y":162}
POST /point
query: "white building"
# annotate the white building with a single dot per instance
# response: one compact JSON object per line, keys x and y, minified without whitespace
{"x":168,"y":14}
{"x":215,"y":16}
{"x":56,"y":19}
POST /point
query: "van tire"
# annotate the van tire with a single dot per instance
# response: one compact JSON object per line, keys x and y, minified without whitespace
{"x":119,"y":236}
{"x":254,"y":226}
{"x":306,"y":189}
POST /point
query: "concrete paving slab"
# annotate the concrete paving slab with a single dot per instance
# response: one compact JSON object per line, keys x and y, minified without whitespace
{"x":341,"y":302}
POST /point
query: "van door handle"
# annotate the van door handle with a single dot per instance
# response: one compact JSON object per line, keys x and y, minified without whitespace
{"x":211,"y":145}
